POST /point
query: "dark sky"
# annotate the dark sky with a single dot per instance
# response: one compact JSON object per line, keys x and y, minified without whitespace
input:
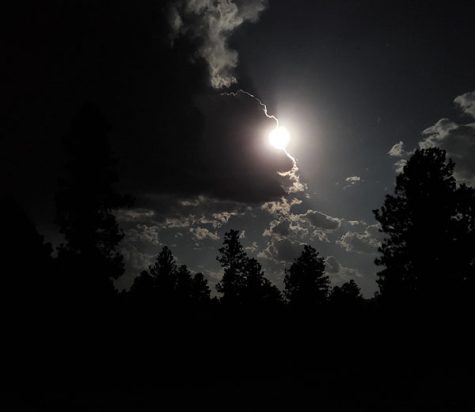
{"x":350,"y":80}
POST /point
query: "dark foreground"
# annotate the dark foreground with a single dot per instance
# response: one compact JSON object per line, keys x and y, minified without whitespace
{"x":355,"y":359}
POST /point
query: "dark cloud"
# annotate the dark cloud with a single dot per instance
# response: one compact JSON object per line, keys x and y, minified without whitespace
{"x":172,"y":134}
{"x":227,"y":158}
{"x":114,"y":55}
{"x":237,"y":160}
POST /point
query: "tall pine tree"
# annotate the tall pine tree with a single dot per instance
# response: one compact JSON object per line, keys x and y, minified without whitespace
{"x":427,"y":253}
{"x":306,"y":283}
{"x":243,"y":282}
{"x":233,"y":259}
{"x":86,"y":198}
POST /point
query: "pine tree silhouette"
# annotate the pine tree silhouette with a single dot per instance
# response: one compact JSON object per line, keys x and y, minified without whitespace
{"x":347,"y":294}
{"x":243,"y":281}
{"x":428,"y":226}
{"x":200,"y":291}
{"x":163,"y":272}
{"x":167,"y":284}
{"x":233,"y":259}
{"x":258,"y":290}
{"x":306,"y":283}
{"x":28,"y":281}
{"x":85,"y":202}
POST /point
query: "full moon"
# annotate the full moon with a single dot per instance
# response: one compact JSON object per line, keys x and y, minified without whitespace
{"x":279,"y":137}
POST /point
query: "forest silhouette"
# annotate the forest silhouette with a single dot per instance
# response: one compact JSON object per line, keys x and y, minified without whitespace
{"x":67,"y":327}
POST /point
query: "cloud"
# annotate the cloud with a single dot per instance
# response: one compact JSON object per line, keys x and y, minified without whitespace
{"x":281,"y":250}
{"x":399,"y":165}
{"x":292,"y":230}
{"x":280,"y":207}
{"x":167,"y":219}
{"x":458,"y":140}
{"x":286,"y":223}
{"x":223,"y":153}
{"x":221,"y":218}
{"x":133,"y":215}
{"x":397,"y":150}
{"x":212,"y":22}
{"x":280,"y":228}
{"x":202,"y":233}
{"x":332,"y":265}
{"x":168,"y":212}
{"x":171,"y":133}
{"x":252,"y":248}
{"x":293,"y":184}
{"x":135,"y":260}
{"x":466,"y":102}
{"x":345,"y":274}
{"x":321,"y":220}
{"x":365,"y":243}
{"x":352,"y":181}
{"x":339,"y":273}
{"x":188,"y":225}
{"x":235,"y":159}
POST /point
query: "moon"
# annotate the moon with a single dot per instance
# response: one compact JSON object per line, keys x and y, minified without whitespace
{"x":279,"y":137}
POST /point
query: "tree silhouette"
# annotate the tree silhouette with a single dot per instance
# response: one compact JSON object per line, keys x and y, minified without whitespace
{"x":27,"y":270}
{"x":163,"y":272}
{"x":257,"y":289}
{"x":200,"y":291}
{"x":347,"y":294}
{"x":191,"y":289}
{"x":143,"y":288}
{"x":305,"y":281}
{"x":167,"y":284}
{"x":243,"y":281}
{"x":428,"y":227}
{"x":183,"y":284}
{"x":464,"y":227}
{"x":233,"y":259}
{"x":85,"y":202}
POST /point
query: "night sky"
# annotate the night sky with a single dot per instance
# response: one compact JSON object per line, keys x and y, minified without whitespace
{"x":191,"y":89}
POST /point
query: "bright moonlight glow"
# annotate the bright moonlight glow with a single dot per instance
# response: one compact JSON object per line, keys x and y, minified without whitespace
{"x":279,"y":137}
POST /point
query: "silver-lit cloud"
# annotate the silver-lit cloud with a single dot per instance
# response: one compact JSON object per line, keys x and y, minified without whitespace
{"x":212,"y":22}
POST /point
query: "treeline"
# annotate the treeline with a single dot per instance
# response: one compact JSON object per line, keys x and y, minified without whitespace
{"x":427,"y":256}
{"x":243,"y":283}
